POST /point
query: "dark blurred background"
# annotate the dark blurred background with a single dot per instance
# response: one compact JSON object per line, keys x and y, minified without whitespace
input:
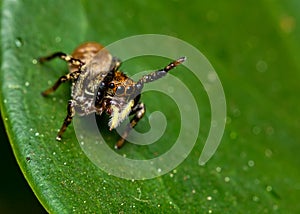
{"x":15,"y":194}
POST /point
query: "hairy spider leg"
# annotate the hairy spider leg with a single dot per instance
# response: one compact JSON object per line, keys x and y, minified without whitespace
{"x":70,"y":76}
{"x":139,"y":108}
{"x":160,"y":73}
{"x":64,"y":78}
{"x":68,"y":119}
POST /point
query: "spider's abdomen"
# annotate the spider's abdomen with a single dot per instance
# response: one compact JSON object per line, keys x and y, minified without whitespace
{"x":98,"y":62}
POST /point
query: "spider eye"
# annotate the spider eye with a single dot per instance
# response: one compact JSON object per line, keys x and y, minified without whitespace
{"x":120,"y":90}
{"x":102,"y":85}
{"x":129,"y":90}
{"x":111,"y":85}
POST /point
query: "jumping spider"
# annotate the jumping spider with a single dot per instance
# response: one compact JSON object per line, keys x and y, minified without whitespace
{"x":99,"y":86}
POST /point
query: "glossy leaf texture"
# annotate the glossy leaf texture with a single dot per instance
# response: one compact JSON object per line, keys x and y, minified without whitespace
{"x":254,"y":48}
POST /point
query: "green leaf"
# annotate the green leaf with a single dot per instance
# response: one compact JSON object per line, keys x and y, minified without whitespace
{"x":254,"y":49}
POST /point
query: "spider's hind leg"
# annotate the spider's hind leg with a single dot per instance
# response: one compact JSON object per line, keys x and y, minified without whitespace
{"x":70,"y":76}
{"x":62,"y":79}
{"x":63,"y":56}
{"x":68,"y":119}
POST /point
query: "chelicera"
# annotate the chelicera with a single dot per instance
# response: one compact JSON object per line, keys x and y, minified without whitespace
{"x":99,"y":86}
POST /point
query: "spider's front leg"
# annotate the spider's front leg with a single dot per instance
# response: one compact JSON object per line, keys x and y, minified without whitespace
{"x":68,"y":119}
{"x":138,"y":110}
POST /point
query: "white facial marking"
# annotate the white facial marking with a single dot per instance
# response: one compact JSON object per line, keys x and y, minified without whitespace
{"x":118,"y":115}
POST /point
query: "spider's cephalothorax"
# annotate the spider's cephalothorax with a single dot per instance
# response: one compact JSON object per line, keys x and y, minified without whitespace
{"x":98,"y":86}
